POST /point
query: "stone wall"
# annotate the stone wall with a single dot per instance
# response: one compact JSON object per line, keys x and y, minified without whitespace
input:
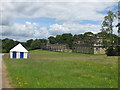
{"x":88,"y":45}
{"x":56,"y":47}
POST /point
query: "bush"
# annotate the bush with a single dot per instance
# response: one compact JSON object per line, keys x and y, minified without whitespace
{"x":4,"y":51}
{"x":110,"y":51}
{"x":113,"y":51}
{"x":117,"y":50}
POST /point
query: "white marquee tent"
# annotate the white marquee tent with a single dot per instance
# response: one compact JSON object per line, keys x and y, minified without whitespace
{"x":19,"y":52}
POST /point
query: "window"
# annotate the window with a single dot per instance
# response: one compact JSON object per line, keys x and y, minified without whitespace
{"x":96,"y":48}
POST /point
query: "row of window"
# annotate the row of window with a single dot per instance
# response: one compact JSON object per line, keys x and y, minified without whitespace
{"x":85,"y":48}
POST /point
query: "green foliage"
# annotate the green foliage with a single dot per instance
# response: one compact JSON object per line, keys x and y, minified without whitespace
{"x":52,"y":40}
{"x":112,"y":40}
{"x":118,"y":25}
{"x":113,"y":51}
{"x":28,"y":43}
{"x":4,"y":50}
{"x":117,"y":50}
{"x":103,"y":34}
{"x":8,"y":44}
{"x":31,"y":44}
{"x":105,"y":43}
{"x":88,"y":33}
{"x":79,"y":36}
{"x":107,"y":25}
{"x":35,"y":44}
{"x":67,"y":38}
{"x":59,"y":39}
{"x":110,"y":51}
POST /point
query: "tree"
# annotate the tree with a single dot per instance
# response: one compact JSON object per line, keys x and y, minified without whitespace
{"x":79,"y":36}
{"x":118,"y":25}
{"x":0,"y":46}
{"x":88,"y":33}
{"x":107,"y":25}
{"x":111,"y":39}
{"x":103,"y":34}
{"x":59,"y":39}
{"x":110,"y":51}
{"x":35,"y":44}
{"x":28,"y":43}
{"x":8,"y":44}
{"x":52,"y":40}
{"x":67,"y":38}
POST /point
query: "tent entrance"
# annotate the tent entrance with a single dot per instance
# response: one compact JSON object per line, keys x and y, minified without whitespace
{"x":21,"y":54}
{"x":14,"y":54}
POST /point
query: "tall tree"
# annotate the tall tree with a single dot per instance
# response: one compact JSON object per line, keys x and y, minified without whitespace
{"x":35,"y":44}
{"x":107,"y":25}
{"x":88,"y":33}
{"x":52,"y":40}
{"x":67,"y":38}
{"x":59,"y":39}
{"x":79,"y":36}
{"x":8,"y":44}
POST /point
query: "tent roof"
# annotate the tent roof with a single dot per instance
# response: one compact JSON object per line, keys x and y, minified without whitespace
{"x":19,"y":48}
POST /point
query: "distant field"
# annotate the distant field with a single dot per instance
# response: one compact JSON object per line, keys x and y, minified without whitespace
{"x":46,"y":69}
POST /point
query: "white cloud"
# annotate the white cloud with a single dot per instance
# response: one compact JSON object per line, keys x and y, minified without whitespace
{"x":63,"y":12}
{"x":59,"y":0}
{"x":24,"y":31}
{"x":73,"y":28}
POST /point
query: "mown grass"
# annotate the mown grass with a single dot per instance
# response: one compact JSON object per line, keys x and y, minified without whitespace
{"x":46,"y":69}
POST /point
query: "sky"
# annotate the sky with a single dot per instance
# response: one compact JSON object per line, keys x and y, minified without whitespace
{"x":23,"y":20}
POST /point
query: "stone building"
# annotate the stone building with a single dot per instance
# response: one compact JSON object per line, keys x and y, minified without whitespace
{"x":55,"y":47}
{"x":91,"y":44}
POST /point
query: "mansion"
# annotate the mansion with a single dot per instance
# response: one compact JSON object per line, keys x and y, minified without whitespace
{"x":91,"y":44}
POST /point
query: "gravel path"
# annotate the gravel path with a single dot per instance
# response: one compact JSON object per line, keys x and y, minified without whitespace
{"x":0,"y":71}
{"x":4,"y":81}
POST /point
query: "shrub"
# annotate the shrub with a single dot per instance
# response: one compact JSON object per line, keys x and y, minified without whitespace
{"x":110,"y":51}
{"x":117,"y":50}
{"x":113,"y":51}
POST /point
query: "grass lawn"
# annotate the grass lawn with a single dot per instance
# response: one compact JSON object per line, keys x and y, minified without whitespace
{"x":46,"y":69}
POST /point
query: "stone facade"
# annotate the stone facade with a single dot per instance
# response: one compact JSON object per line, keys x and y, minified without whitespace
{"x":55,"y":47}
{"x":89,"y":45}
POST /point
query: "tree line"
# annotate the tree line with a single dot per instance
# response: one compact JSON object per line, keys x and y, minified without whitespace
{"x":31,"y":44}
{"x":66,"y":38}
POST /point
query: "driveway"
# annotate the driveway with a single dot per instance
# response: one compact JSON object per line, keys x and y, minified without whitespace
{"x":1,"y":71}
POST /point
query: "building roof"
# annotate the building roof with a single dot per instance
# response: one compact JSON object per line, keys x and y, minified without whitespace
{"x":18,"y":48}
{"x":90,"y":37}
{"x":57,"y":44}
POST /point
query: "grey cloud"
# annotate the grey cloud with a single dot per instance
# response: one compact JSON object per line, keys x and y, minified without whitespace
{"x":27,"y":30}
{"x":62,"y":12}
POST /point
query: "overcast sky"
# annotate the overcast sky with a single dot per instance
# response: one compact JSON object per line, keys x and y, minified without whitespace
{"x":23,"y":20}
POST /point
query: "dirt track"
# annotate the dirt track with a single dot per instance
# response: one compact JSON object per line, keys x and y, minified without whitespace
{"x":5,"y":80}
